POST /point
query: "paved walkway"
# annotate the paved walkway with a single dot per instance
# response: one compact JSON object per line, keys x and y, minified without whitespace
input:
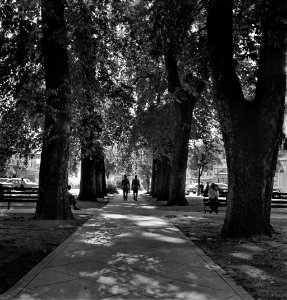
{"x":127,"y":251}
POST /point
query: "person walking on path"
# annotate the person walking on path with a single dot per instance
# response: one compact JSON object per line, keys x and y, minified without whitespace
{"x":125,"y":187}
{"x":135,"y":187}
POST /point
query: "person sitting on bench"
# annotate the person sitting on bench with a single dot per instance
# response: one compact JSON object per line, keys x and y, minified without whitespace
{"x":72,"y":199}
{"x":213,"y":195}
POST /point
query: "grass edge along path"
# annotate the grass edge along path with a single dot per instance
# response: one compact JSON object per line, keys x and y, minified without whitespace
{"x":25,"y":242}
{"x":259,"y":264}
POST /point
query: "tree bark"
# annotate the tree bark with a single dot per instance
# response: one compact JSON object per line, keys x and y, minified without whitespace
{"x":53,"y":178}
{"x":184,"y":103}
{"x":91,"y":120}
{"x":153,"y":175}
{"x":165,"y":169}
{"x":157,"y":178}
{"x":99,"y":173}
{"x":252,"y":130}
{"x":104,"y":183}
{"x":147,"y":183}
{"x":200,"y":169}
{"x":88,"y":190}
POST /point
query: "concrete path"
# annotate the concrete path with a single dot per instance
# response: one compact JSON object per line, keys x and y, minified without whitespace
{"x":127,"y":251}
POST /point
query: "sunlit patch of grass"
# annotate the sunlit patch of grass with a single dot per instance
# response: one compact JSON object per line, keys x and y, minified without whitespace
{"x":242,"y":255}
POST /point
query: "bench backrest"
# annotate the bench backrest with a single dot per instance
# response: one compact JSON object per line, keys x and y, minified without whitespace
{"x":278,"y":195}
{"x":7,"y":189}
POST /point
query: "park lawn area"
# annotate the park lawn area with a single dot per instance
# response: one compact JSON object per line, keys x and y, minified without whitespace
{"x":259,"y":264}
{"x":24,"y":242}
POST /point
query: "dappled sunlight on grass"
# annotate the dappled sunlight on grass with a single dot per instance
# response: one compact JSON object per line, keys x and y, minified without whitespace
{"x":26,"y":296}
{"x":254,"y":272}
{"x":242,"y":255}
{"x":66,"y":226}
{"x":258,"y":263}
{"x":250,"y":247}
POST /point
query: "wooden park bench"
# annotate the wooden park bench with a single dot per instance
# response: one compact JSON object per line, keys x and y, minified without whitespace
{"x":279,"y":200}
{"x":11,"y":194}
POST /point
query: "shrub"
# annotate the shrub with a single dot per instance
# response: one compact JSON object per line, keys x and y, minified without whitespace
{"x":112,"y":188}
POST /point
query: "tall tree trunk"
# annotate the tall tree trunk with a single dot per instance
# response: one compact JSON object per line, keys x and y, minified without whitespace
{"x":88,"y":191}
{"x":91,"y":123}
{"x":153,"y":175}
{"x":200,"y":168}
{"x":180,"y":154}
{"x":99,"y":173}
{"x":157,"y":178}
{"x":165,"y":170}
{"x":53,"y":178}
{"x":184,"y":105}
{"x":147,"y":183}
{"x":252,"y":130}
{"x":104,"y":183}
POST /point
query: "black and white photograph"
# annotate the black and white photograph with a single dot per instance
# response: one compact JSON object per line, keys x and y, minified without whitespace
{"x":143,"y":150}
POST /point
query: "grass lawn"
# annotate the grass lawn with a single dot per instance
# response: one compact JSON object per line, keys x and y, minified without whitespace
{"x":24,"y":242}
{"x":259,"y":264}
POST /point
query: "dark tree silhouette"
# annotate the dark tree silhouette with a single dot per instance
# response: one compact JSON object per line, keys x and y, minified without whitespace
{"x":53,"y":179}
{"x":252,"y":130}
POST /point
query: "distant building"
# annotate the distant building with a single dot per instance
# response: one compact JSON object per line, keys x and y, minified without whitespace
{"x":220,"y":172}
{"x":280,"y":178}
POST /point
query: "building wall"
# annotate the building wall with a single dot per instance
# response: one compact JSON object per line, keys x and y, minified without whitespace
{"x":220,"y":172}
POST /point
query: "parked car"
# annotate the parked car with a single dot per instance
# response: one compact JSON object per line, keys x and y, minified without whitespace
{"x":222,"y":187}
{"x":276,"y":193}
{"x":191,"y":188}
{"x":19,"y":182}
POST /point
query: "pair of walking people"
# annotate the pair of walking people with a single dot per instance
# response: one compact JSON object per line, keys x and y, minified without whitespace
{"x":126,"y":187}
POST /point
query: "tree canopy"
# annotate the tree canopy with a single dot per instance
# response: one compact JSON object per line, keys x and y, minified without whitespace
{"x":140,"y":81}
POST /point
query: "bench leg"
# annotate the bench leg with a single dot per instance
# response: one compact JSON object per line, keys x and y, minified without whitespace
{"x":9,"y":205}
